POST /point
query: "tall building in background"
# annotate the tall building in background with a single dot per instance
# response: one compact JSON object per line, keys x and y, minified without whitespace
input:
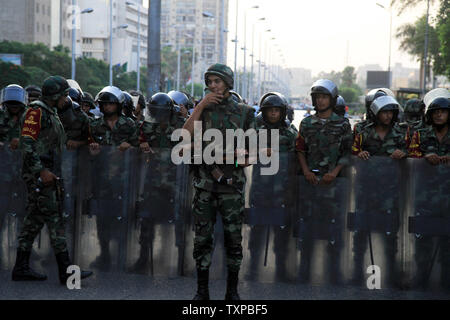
{"x":28,"y":21}
{"x":184,"y":23}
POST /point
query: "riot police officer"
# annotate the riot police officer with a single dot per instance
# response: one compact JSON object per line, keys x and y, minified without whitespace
{"x":219,"y":188}
{"x":14,"y":100}
{"x":34,"y":93}
{"x":128,"y":108}
{"x":41,"y":142}
{"x":323,"y":146}
{"x":339,"y":109}
{"x":88,"y":104}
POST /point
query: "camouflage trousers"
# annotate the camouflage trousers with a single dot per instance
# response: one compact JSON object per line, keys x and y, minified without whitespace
{"x":42,"y":208}
{"x":206,"y":204}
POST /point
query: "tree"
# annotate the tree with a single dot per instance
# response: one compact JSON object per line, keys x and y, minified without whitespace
{"x":348,"y":76}
{"x":412,"y":41}
{"x":442,"y":63}
{"x":13,"y":74}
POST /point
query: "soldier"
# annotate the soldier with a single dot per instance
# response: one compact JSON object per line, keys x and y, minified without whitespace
{"x":88,"y":104}
{"x":14,"y":100}
{"x":155,"y":134}
{"x":128,"y":107}
{"x":339,"y":109}
{"x":370,"y":97}
{"x":383,"y":137}
{"x":139,"y":106}
{"x":273,"y":108}
{"x":41,"y":142}
{"x":75,"y":123}
{"x":324,"y":146}
{"x":34,"y":93}
{"x":219,"y":188}
{"x":433,"y":144}
{"x":113,"y":129}
{"x":414,"y":114}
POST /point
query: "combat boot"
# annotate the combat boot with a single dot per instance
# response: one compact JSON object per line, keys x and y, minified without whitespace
{"x":202,"y":285}
{"x":232,"y":283}
{"x":22,"y":270}
{"x":63,"y":263}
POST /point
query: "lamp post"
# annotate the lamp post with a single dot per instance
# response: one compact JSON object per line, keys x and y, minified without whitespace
{"x":252,"y":90}
{"x":123,"y":26}
{"x":129,"y":3}
{"x":390,"y":38}
{"x":245,"y":81}
{"x":74,"y":36}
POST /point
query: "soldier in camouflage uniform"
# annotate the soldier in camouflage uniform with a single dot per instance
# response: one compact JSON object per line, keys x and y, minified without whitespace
{"x":34,"y":93}
{"x":75,"y":123}
{"x":139,"y":106}
{"x":414,"y":114}
{"x":113,"y":129}
{"x":433,"y":144}
{"x":323,"y":146}
{"x":13,"y":99}
{"x":370,"y":97}
{"x":88,"y":104}
{"x":156,"y":133}
{"x":339,"y":109}
{"x":384,"y":138}
{"x":42,"y":140}
{"x":274,"y":108}
{"x":219,"y":187}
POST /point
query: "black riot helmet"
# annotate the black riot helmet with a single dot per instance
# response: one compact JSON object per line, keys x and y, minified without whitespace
{"x":339,"y":109}
{"x":414,"y":110}
{"x":273,"y":100}
{"x":75,"y":95}
{"x":14,"y":96}
{"x":110,"y":94}
{"x":436,"y":99}
{"x":161,"y":108}
{"x":385,"y":103}
{"x":236,"y":96}
{"x":179,"y":98}
{"x":374,"y":94}
{"x":34,"y":93}
{"x":325,"y":86}
{"x":88,"y":99}
{"x":140,"y":98}
{"x":128,"y":105}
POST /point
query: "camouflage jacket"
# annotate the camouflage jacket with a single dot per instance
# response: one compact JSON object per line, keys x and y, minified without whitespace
{"x":42,"y":139}
{"x":155,"y":136}
{"x":410,"y":129}
{"x":9,"y":128}
{"x":369,"y":140}
{"x":288,"y":135}
{"x":124,"y":131}
{"x":424,"y":142}
{"x":227,"y":115}
{"x":76,"y":124}
{"x":358,"y":128}
{"x":326,"y":143}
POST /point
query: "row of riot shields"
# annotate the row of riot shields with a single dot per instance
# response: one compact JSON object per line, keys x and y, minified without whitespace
{"x":130,"y":212}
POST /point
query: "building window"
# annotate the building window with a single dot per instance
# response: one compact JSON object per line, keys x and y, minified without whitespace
{"x":37,"y":7}
{"x":48,"y":29}
{"x":43,"y":9}
{"x":37,"y":27}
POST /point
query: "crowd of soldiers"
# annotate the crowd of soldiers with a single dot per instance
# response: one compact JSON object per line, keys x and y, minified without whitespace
{"x":41,"y":122}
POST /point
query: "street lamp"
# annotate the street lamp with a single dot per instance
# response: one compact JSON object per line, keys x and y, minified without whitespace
{"x":128,"y":3}
{"x":252,"y":91}
{"x":74,"y":35}
{"x":122,"y":26}
{"x":390,"y":37}
{"x":246,"y":78}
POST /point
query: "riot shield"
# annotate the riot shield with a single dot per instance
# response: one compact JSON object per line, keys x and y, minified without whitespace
{"x":319,"y":227}
{"x":376,"y":219}
{"x":269,"y":248}
{"x":157,"y":240}
{"x":13,"y":196}
{"x":428,"y":241}
{"x":106,"y":197}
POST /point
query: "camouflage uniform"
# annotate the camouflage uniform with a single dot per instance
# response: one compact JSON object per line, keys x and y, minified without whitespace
{"x":123,"y":131}
{"x":211,"y":196}
{"x":326,"y":143}
{"x":425,"y":142}
{"x":42,"y":141}
{"x":386,"y":200}
{"x":76,"y":123}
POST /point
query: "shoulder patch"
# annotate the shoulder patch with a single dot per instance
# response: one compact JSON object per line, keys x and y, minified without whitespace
{"x":32,"y":124}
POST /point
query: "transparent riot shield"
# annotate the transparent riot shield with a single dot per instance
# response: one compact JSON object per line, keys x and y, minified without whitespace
{"x":375,"y":220}
{"x":319,"y":227}
{"x":13,"y":196}
{"x":106,"y":189}
{"x":157,"y":239}
{"x":269,"y":248}
{"x":427,"y":248}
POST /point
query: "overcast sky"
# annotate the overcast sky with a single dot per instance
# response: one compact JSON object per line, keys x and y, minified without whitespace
{"x":317,"y":34}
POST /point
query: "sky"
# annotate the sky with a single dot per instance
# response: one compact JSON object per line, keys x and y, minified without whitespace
{"x":322,"y":35}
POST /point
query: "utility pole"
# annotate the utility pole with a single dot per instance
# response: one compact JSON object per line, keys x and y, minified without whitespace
{"x":154,"y":47}
{"x":222,"y":32}
{"x":425,"y":56}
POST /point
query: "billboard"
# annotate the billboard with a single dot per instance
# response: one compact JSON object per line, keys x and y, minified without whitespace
{"x":11,"y":58}
{"x":378,"y":79}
